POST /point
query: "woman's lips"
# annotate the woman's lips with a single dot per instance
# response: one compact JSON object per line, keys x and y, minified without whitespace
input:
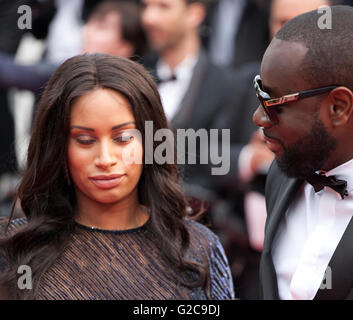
{"x":107,"y":181}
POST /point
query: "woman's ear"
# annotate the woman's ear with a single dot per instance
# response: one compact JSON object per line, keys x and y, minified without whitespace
{"x":340,"y":105}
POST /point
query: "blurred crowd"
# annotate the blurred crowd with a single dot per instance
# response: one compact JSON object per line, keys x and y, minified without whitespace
{"x":203,"y":55}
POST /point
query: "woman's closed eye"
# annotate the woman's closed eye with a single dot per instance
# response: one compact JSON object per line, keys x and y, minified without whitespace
{"x":123,"y":138}
{"x":85,"y":140}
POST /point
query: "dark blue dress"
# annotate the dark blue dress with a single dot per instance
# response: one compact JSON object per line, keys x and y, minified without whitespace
{"x":127,"y":265}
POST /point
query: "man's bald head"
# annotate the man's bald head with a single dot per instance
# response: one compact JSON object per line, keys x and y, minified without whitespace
{"x":329,"y":59}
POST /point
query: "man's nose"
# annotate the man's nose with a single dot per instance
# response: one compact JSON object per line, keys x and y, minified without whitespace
{"x":260,"y":118}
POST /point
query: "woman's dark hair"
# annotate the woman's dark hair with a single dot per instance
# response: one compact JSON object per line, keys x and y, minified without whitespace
{"x":49,"y":202}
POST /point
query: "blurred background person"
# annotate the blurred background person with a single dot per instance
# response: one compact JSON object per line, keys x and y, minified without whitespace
{"x":115,"y":28}
{"x":192,"y":88}
{"x":198,"y":94}
{"x":238,"y":32}
{"x":10,"y":39}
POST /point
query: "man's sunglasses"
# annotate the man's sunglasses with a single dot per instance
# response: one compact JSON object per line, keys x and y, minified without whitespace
{"x":268,"y":104}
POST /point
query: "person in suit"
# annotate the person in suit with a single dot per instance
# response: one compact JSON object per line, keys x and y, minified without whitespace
{"x":243,"y":188}
{"x":306,"y":113}
{"x":192,"y":88}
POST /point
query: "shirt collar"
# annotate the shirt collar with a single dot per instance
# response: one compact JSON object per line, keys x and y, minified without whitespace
{"x":343,"y":171}
{"x":183,"y":70}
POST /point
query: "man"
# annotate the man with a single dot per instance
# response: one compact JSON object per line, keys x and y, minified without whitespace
{"x":250,"y":158}
{"x":192,"y":89}
{"x":255,"y":158}
{"x":309,"y":231}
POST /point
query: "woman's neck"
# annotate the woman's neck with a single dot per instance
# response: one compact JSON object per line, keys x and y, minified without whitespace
{"x":123,"y":215}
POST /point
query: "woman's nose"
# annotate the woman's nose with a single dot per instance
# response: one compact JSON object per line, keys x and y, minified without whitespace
{"x":106,"y":157}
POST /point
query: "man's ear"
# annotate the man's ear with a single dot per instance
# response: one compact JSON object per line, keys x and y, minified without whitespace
{"x":196,"y":14}
{"x":340,"y":105}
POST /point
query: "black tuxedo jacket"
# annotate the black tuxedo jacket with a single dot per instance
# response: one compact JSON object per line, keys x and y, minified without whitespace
{"x":210,"y":91}
{"x":280,"y":192}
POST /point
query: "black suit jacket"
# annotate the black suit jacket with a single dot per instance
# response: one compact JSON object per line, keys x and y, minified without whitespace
{"x":210,"y":91}
{"x":280,"y":192}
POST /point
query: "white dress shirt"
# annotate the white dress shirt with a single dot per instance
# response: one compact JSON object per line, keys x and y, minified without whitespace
{"x":172,"y":92}
{"x":308,"y":237}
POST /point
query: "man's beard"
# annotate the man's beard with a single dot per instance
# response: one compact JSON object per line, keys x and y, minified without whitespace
{"x":168,"y":44}
{"x":309,"y":154}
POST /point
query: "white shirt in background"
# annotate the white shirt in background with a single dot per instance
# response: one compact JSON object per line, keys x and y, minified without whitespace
{"x":172,"y":92}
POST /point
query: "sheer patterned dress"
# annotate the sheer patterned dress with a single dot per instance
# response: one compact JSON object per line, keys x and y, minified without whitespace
{"x":105,"y":265}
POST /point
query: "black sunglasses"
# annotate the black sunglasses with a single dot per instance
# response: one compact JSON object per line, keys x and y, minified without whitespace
{"x":268,"y":103}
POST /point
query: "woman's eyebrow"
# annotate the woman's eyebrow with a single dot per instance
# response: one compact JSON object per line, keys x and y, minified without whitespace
{"x":82,"y":128}
{"x":123,"y":125}
{"x":113,"y":128}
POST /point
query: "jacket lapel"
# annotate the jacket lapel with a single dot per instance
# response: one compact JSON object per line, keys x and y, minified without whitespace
{"x":339,"y":280}
{"x":187,"y":105}
{"x":289,"y":188}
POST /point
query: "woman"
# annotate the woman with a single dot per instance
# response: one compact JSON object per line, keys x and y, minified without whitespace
{"x":98,"y":226}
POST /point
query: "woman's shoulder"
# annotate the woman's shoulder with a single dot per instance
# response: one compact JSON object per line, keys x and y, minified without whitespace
{"x":206,"y":243}
{"x":14,"y":225}
{"x":201,"y":233}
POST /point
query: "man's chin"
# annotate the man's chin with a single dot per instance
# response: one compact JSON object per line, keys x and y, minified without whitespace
{"x":157,"y":44}
{"x":295,"y":169}
{"x":288,"y":167}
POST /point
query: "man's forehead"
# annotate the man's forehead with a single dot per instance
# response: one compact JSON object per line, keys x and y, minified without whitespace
{"x":281,"y":63}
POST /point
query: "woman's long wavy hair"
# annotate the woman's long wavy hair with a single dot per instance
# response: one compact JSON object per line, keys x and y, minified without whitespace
{"x":49,"y":202}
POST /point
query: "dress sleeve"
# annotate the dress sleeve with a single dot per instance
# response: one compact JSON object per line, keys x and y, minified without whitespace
{"x":221,"y":281}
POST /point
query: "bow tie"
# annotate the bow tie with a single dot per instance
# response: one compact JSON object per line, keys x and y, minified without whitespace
{"x":171,"y":78}
{"x":319,"y":181}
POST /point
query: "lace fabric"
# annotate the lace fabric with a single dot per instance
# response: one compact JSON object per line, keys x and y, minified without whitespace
{"x":126,"y":265}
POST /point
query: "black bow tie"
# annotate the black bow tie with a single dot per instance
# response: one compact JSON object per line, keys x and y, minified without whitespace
{"x":171,"y":78}
{"x":319,"y":181}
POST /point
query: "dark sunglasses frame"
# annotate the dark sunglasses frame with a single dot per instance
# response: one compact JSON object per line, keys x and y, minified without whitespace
{"x":268,"y":103}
